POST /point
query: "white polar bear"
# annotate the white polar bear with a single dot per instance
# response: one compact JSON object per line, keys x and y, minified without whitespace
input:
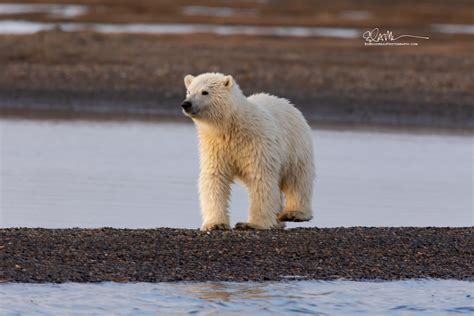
{"x":263,"y":141}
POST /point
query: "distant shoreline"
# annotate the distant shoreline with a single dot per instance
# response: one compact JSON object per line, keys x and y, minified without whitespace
{"x":39,"y":255}
{"x":332,"y":81}
{"x":57,"y":105}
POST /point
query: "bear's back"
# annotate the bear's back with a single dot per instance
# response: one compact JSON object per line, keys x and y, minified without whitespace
{"x":280,"y":108}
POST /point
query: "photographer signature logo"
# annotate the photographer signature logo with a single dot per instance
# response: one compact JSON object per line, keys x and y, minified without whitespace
{"x":375,"y":38}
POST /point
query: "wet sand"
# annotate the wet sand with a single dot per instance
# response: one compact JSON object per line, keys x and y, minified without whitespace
{"x":164,"y":254}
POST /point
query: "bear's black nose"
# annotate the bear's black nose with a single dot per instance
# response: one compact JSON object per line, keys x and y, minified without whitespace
{"x":186,"y":105}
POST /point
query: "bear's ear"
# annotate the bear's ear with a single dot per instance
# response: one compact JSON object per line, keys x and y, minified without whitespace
{"x":228,"y":81}
{"x":187,"y":80}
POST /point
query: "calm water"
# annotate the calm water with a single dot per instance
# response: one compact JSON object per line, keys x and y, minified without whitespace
{"x":425,"y":297}
{"x":135,"y":174}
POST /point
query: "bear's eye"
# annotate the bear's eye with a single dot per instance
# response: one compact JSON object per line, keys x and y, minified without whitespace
{"x":205,"y":93}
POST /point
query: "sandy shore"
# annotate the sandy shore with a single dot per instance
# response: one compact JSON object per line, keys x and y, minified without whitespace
{"x":164,"y":254}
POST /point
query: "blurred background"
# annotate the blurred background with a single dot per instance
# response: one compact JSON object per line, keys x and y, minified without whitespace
{"x":92,"y":132}
{"x":129,"y":57}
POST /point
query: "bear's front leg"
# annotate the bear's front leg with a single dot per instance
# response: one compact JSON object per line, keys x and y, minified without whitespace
{"x":265,"y":204}
{"x":214,"y":192}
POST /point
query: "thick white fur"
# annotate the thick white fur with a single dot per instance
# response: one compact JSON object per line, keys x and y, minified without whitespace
{"x":262,"y":141}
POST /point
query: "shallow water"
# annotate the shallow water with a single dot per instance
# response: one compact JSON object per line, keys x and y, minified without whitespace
{"x":30,"y":27}
{"x":453,"y":28}
{"x":426,"y":297}
{"x":27,"y":27}
{"x":195,"y":10}
{"x":136,"y":174}
{"x":53,"y":10}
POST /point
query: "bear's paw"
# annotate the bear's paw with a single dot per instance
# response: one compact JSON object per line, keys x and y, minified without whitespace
{"x":294,"y":216}
{"x":220,"y":226}
{"x":250,"y":226}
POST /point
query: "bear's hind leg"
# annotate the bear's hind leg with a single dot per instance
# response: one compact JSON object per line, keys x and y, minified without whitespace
{"x":298,"y":194}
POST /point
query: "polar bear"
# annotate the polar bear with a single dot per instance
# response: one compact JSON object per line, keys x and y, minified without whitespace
{"x":262,"y":141}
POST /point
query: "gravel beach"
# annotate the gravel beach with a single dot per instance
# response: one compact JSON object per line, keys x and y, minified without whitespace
{"x":164,"y":254}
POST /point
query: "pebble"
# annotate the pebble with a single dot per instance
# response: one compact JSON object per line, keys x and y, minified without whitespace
{"x":166,"y":254}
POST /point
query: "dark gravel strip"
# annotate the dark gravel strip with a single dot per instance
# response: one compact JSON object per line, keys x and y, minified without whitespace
{"x":154,"y":255}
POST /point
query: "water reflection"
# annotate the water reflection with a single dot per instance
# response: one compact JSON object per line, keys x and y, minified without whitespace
{"x":222,"y":291}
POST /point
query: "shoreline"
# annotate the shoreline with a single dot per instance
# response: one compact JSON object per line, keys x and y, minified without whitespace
{"x":332,"y":81}
{"x":456,"y":118}
{"x":142,"y":118}
{"x":37,"y":255}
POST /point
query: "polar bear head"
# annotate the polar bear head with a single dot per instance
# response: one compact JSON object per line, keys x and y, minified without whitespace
{"x":208,"y":96}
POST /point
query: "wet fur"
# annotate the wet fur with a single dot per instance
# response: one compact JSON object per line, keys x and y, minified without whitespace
{"x":262,"y":141}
